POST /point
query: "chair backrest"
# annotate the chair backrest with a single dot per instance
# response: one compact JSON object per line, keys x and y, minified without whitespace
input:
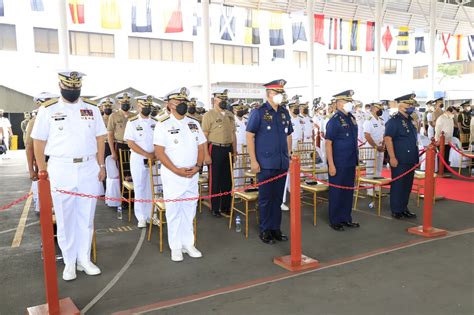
{"x":307,"y":154}
{"x":238,"y":167}
{"x":367,"y":154}
{"x":155,"y":184}
{"x":124,"y":158}
{"x":464,"y":138}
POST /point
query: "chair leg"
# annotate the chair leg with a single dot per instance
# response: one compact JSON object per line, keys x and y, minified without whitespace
{"x":314,"y":208}
{"x":256,"y":212}
{"x":161,"y":231}
{"x":380,"y":201}
{"x":129,"y":206}
{"x":200,"y":200}
{"x":246,"y":219}
{"x":94,"y":248}
{"x":151,"y":223}
{"x":231,"y":211}
{"x":357,"y":195}
{"x":195,"y":230}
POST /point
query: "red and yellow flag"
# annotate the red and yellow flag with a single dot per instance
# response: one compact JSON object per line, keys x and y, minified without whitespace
{"x":76,"y":7}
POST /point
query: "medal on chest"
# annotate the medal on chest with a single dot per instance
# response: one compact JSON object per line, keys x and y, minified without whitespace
{"x":343,"y":122}
{"x":405,"y":125}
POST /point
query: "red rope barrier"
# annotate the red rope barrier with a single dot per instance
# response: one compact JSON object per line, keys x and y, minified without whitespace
{"x":449,"y":168}
{"x":11,"y":204}
{"x":460,"y":152}
{"x":174,"y":200}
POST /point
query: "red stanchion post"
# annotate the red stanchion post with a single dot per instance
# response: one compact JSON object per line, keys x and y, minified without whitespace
{"x":53,"y":305}
{"x":427,"y":230}
{"x":296,"y":261}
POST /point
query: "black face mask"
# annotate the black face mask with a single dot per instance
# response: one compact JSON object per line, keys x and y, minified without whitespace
{"x":191,"y":110}
{"x":182,"y":108}
{"x":306,"y":111}
{"x":379,"y":112}
{"x":108,"y":111}
{"x":70,"y":95}
{"x":154,"y":113}
{"x":146,"y":111}
{"x":223,"y":105}
{"x":240,"y":113}
{"x":125,"y":106}
{"x":296,"y":111}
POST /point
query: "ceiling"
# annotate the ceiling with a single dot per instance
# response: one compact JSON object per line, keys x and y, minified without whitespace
{"x":451,"y":18}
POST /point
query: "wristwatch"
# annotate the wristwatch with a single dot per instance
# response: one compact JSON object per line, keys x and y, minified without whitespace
{"x":102,"y":165}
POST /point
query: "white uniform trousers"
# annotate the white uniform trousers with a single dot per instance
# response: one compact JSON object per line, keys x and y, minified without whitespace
{"x":141,"y":186}
{"x":74,"y":215}
{"x":378,"y":169}
{"x":34,"y":191}
{"x":179,"y":215}
{"x":294,"y":147}
{"x":112,"y":182}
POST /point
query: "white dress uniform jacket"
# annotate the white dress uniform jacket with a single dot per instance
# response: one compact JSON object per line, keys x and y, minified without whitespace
{"x":5,"y":125}
{"x":181,"y":139}
{"x":70,"y":131}
{"x":140,"y":130}
{"x":240,"y":132}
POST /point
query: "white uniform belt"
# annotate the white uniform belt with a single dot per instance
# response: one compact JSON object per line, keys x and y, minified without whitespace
{"x":73,"y":160}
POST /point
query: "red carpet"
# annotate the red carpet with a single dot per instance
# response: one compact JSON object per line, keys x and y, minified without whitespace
{"x":451,"y":188}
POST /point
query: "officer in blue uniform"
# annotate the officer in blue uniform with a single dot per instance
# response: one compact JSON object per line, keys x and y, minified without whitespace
{"x":400,"y":139}
{"x":342,"y":156}
{"x":269,"y":143}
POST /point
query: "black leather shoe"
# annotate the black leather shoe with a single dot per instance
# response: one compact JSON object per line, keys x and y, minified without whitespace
{"x":266,"y":237}
{"x":397,"y":216}
{"x":351,"y":224}
{"x":279,"y":236}
{"x":408,"y":214}
{"x":337,"y":227}
{"x":216,"y":214}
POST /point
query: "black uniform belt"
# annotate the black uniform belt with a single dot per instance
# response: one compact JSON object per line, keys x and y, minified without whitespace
{"x":224,"y":145}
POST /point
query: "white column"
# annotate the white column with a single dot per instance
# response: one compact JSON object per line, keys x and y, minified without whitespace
{"x":63,"y":35}
{"x":309,"y":15}
{"x":432,"y":64}
{"x":378,"y":44}
{"x":206,"y":81}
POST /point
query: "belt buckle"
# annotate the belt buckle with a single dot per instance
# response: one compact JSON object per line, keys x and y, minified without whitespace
{"x":77,"y":160}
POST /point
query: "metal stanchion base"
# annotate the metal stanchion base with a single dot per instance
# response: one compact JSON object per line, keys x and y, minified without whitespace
{"x":66,"y":306}
{"x":432,"y":232}
{"x":306,"y":263}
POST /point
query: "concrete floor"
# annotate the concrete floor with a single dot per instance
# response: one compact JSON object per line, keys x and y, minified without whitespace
{"x":377,"y":269}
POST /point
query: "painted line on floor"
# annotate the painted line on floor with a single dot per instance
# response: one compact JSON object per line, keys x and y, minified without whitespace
{"x":21,"y":224}
{"x":14,"y":229}
{"x":118,"y":275}
{"x":284,"y":276}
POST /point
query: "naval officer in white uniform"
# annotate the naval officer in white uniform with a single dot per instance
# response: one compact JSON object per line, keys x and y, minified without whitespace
{"x":139,"y":136}
{"x":72,"y":133}
{"x":179,"y":145}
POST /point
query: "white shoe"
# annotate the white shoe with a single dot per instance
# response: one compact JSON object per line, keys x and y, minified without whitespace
{"x":141,"y":224}
{"x":284,"y":207}
{"x":88,"y":267}
{"x":192,"y":252}
{"x":176,"y":255}
{"x":69,"y":272}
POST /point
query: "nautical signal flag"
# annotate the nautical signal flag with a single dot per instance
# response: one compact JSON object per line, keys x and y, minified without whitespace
{"x":252,"y":28}
{"x":458,"y":46}
{"x":470,"y":47}
{"x":420,"y":44}
{"x":354,"y":39}
{"x":298,"y":30}
{"x":76,"y":8}
{"x":445,"y":40}
{"x":110,"y":14}
{"x":37,"y":5}
{"x":276,"y":29}
{"x":387,"y":38}
{"x":370,"y":38}
{"x":172,"y":16}
{"x":335,"y":33}
{"x":141,"y":16}
{"x":402,"y":41}
{"x":197,"y":21}
{"x":319,"y":28}
{"x":227,"y":23}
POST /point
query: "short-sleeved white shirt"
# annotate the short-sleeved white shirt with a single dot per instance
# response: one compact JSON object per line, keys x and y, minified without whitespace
{"x":140,"y":130}
{"x":69,"y":129}
{"x":180,"y":138}
{"x":240,"y":133}
{"x":297,"y":134}
{"x":5,"y":124}
{"x":376,"y":128}
{"x":307,"y":126}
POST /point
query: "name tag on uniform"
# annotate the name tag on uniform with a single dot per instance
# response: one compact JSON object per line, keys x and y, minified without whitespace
{"x":173,"y":131}
{"x":139,"y":128}
{"x":87,"y":114}
{"x":193,"y":127}
{"x":59,"y":116}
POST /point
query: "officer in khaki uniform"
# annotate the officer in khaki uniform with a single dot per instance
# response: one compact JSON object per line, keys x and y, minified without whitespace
{"x":218,"y":125}
{"x":106,"y":104}
{"x":192,"y":110}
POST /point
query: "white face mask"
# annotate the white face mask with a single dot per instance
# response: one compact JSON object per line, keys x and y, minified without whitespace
{"x":348,"y":107}
{"x":277,"y":99}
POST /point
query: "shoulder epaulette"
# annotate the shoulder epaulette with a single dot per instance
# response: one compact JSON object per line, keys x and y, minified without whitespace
{"x":133,"y":118}
{"x":164,"y":118}
{"x":88,"y":101}
{"x":154,"y":118}
{"x":50,"y":102}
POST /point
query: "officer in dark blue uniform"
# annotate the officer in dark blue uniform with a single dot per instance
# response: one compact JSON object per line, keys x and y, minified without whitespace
{"x":269,"y":143}
{"x":400,"y":140}
{"x":342,"y":156}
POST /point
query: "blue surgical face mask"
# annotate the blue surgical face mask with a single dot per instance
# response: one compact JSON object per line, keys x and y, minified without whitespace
{"x":410,"y":110}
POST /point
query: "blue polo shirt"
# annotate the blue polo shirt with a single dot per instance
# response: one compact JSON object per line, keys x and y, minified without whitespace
{"x":404,"y":137}
{"x":271,"y":129}
{"x":341,"y":129}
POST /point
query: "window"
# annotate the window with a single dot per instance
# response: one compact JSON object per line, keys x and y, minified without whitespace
{"x":344,"y":63}
{"x":234,"y":55}
{"x":160,"y":49}
{"x":7,"y":37}
{"x":46,"y":40}
{"x":390,"y":66}
{"x":91,"y":44}
{"x":300,"y":58}
{"x":420,"y":72}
